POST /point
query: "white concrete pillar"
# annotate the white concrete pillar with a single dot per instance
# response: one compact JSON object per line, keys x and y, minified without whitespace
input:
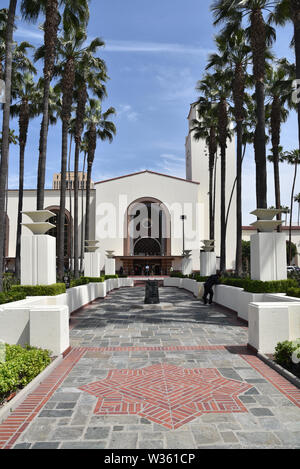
{"x":187,"y":265}
{"x":92,"y":264}
{"x":268,"y":256}
{"x":110,"y":266}
{"x":38,"y":260}
{"x":208,"y":263}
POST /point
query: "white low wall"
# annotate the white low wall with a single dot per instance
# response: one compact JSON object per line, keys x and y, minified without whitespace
{"x":16,"y":326}
{"x":270,"y":323}
{"x":186,"y":283}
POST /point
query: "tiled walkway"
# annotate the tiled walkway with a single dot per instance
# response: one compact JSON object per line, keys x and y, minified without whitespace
{"x":176,"y":375}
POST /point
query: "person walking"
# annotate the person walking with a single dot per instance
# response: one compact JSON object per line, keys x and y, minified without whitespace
{"x":147,"y":269}
{"x":208,"y":287}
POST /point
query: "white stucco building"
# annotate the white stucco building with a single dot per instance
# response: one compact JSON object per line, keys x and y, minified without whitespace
{"x":138,"y":216}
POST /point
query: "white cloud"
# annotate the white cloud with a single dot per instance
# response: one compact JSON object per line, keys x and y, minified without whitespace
{"x":154,"y":47}
{"x":128,"y":112}
{"x":32,"y":34}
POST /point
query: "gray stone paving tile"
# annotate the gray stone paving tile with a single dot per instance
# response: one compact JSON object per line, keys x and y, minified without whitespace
{"x":56,"y":413}
{"x":151,"y":444}
{"x":289,"y":438}
{"x":261,"y":439}
{"x":179,"y":440}
{"x":96,"y":433}
{"x":229,"y":437}
{"x":83,"y":445}
{"x":128,"y":441}
{"x":66,"y":405}
{"x":22,"y":446}
{"x":46,"y":445}
{"x":38,"y":431}
{"x":67,"y":433}
{"x":261,"y":411}
{"x":205,"y":434}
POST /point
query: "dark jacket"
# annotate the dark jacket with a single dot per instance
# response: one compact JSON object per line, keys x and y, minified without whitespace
{"x":211,"y":281}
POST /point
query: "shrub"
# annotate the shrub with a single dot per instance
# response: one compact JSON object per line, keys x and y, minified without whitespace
{"x":257,"y":286}
{"x":293,"y":292}
{"x":283,"y":354}
{"x":22,"y":365}
{"x":85,"y":280}
{"x":11,"y":296}
{"x":40,"y":290}
{"x":107,"y":277}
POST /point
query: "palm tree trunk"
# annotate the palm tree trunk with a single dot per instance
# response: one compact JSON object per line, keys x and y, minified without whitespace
{"x":5,"y":127}
{"x":61,"y":216}
{"x":82,"y":217}
{"x":70,"y":202}
{"x":275,"y":130}
{"x":258,"y":45}
{"x":239,"y":252}
{"x":260,"y":148}
{"x":76,"y":237}
{"x":223,"y":209}
{"x":88,"y":193}
{"x":296,"y":17}
{"x":291,"y":214}
{"x":211,"y":187}
{"x":23,"y":124}
{"x":50,"y":38}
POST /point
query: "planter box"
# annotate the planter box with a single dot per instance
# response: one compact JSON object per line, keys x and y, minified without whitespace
{"x":245,"y":298}
{"x":228,"y":296}
{"x":173,"y":282}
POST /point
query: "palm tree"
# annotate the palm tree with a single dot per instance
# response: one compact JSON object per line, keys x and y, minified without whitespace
{"x":297,"y":199}
{"x":293,"y":158}
{"x":278,"y":85}
{"x":219,"y":85}
{"x":261,"y":36}
{"x":75,"y":12}
{"x":235,"y":53}
{"x":289,"y":11}
{"x":205,"y":127}
{"x":98,"y":126}
{"x":90,"y":74}
{"x":5,"y":125}
{"x":26,"y":108}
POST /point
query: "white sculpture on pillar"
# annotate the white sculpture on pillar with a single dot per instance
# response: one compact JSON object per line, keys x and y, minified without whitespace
{"x":208,"y":260}
{"x":38,"y":251}
{"x":268,"y":247}
{"x":110,"y":263}
{"x":187,"y":263}
{"x":91,"y":259}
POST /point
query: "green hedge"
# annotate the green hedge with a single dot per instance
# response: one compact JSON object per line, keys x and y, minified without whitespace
{"x":40,"y":290}
{"x":293,"y":292}
{"x":107,"y":277}
{"x":11,"y":296}
{"x":21,"y":366}
{"x":86,"y":280}
{"x":256,"y":286}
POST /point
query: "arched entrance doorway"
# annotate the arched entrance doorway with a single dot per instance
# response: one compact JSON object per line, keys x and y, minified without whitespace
{"x":68,"y":231}
{"x":147,"y":238}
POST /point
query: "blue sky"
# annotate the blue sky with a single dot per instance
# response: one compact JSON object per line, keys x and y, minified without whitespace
{"x":155,"y":53}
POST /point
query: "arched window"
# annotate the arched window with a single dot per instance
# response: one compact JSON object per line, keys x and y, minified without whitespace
{"x":147,"y":247}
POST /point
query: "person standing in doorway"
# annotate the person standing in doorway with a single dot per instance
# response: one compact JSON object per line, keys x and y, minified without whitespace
{"x":147,"y":270}
{"x":208,"y":287}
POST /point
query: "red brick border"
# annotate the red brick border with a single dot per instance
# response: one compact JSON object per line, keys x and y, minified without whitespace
{"x":278,"y":381}
{"x":16,"y":423}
